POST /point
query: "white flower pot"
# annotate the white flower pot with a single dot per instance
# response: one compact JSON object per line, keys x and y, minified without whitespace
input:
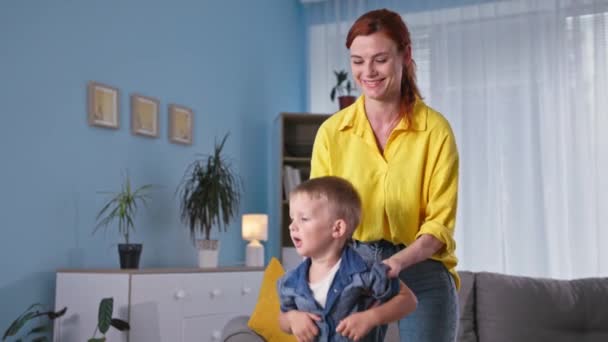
{"x":208,"y":251}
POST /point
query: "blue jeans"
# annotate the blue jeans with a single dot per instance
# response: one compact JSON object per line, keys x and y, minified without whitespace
{"x":436,"y":317}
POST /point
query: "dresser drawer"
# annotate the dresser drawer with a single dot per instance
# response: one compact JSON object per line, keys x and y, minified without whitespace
{"x":222,"y":292}
{"x":156,"y":308}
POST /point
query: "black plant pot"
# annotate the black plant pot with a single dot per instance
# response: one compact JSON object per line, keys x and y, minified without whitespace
{"x":346,"y":101}
{"x":129,"y":255}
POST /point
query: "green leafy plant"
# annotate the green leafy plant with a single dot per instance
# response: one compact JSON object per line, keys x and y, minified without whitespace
{"x":37,"y":333}
{"x":209,"y":193}
{"x":105,"y":320}
{"x":122,"y":207}
{"x":341,"y":89}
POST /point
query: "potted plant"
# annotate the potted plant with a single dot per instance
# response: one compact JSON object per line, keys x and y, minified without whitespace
{"x":122,"y":207}
{"x":343,"y":91}
{"x":209,"y":195}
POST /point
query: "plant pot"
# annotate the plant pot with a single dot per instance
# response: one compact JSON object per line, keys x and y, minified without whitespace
{"x":346,"y":101}
{"x":129,"y":255}
{"x":208,"y":251}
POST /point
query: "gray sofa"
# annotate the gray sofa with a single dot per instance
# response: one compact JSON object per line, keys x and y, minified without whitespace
{"x":496,"y":308}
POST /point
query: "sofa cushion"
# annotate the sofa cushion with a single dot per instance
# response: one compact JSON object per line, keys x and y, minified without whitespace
{"x":510,"y":308}
{"x":466,"y":305}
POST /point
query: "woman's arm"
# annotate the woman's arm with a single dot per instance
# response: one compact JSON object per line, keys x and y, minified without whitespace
{"x":423,"y":248}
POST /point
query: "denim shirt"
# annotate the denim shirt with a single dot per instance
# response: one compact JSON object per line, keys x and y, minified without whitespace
{"x":357,"y":285}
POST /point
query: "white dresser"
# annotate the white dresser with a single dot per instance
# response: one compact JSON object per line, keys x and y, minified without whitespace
{"x":168,"y":305}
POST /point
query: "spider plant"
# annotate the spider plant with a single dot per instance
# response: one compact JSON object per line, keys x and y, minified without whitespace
{"x":122,"y":207}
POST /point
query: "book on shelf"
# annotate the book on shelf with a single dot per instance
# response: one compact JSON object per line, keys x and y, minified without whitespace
{"x":291,"y":178}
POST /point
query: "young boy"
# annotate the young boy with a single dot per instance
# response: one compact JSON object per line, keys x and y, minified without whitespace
{"x":332,"y":295}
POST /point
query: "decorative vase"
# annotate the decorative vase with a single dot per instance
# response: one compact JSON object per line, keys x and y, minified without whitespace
{"x":129,"y":255}
{"x":208,"y":251}
{"x":346,"y":101}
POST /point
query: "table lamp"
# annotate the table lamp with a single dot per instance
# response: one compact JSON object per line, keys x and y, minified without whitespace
{"x":255,"y":228}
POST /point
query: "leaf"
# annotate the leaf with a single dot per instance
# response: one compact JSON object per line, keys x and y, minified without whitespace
{"x":57,"y":314}
{"x":18,"y":323}
{"x":101,"y":339}
{"x":120,"y":324}
{"x":39,"y":329}
{"x":40,"y":339}
{"x":104,"y":317}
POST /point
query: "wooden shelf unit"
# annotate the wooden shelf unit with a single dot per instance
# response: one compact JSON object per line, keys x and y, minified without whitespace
{"x":297,"y":133}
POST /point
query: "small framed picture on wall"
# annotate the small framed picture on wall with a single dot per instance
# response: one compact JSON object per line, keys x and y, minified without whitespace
{"x":144,"y":115}
{"x":180,"y":124}
{"x":103,"y":106}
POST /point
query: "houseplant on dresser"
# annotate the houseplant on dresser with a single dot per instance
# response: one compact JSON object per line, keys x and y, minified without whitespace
{"x":342,"y":90}
{"x":122,"y":207}
{"x":209,"y":195}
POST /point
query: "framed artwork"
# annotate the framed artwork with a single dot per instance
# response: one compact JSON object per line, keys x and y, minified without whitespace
{"x":144,"y":115}
{"x":103,"y":105}
{"x":180,"y":124}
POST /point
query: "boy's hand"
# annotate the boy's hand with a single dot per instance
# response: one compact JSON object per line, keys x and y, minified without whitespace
{"x":356,"y":326}
{"x":303,"y":326}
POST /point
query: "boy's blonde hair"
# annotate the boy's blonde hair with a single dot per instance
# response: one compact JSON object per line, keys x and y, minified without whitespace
{"x":342,"y":196}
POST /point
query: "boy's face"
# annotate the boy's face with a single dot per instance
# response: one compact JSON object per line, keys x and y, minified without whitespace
{"x":311,"y":227}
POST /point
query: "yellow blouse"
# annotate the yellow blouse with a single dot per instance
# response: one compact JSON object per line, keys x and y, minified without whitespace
{"x":410,"y":189}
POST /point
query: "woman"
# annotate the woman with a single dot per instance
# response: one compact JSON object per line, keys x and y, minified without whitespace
{"x":401,"y":156}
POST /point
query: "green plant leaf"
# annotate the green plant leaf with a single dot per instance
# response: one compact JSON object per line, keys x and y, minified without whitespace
{"x":101,"y":339}
{"x":40,"y":339}
{"x":52,"y":315}
{"x":104,"y":317}
{"x":120,"y":324}
{"x":39,"y":329}
{"x":19,"y":323}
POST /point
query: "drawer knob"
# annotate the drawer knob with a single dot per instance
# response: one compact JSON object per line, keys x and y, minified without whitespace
{"x":180,"y":294}
{"x":246,"y":290}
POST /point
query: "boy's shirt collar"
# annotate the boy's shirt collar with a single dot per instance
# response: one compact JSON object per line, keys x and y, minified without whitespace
{"x":352,"y":263}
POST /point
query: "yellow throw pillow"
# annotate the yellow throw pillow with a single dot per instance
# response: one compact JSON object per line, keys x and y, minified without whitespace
{"x":265,"y":318}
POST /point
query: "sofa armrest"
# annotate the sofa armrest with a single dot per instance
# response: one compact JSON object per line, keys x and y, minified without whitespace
{"x":236,"y":330}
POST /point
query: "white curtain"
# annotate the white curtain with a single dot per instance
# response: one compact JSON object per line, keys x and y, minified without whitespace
{"x":525,"y":86}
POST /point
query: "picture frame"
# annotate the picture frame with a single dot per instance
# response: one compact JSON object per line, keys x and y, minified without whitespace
{"x":180,"y":124}
{"x":144,"y":115}
{"x":103,"y":105}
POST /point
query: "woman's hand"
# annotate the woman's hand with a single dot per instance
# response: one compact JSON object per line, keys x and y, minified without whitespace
{"x":423,"y":248}
{"x":394,"y":267}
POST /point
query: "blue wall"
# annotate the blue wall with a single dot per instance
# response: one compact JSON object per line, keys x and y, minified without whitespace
{"x":237,"y":64}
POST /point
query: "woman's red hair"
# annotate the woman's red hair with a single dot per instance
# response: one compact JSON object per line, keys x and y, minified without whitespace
{"x":391,"y":24}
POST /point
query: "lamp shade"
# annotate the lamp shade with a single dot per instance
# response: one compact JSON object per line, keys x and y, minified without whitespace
{"x":255,"y":227}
